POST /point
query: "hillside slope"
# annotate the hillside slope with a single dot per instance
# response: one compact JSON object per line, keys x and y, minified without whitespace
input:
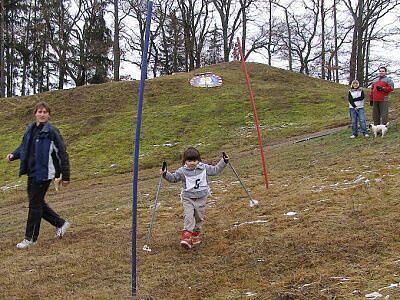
{"x":343,"y":242}
{"x":98,"y":121}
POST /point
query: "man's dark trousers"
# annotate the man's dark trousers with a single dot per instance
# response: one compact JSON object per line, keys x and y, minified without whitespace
{"x":38,"y":208}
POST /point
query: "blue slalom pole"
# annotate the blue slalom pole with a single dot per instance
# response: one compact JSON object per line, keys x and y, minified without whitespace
{"x":137,"y":144}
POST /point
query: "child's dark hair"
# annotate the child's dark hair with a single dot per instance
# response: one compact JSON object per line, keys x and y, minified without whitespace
{"x":192,"y":154}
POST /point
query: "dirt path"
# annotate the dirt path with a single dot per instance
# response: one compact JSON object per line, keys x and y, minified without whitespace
{"x":307,"y":137}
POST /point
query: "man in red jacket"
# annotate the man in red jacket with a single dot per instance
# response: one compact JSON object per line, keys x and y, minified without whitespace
{"x":380,"y":89}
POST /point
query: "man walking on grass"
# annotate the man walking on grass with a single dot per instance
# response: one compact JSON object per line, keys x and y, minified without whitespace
{"x":380,"y":89}
{"x":43,"y":157}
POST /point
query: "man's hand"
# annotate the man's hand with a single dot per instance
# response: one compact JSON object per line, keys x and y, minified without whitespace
{"x":10,"y":157}
{"x":64,"y":183}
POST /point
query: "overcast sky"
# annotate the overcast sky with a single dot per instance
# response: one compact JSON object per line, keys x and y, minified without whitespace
{"x":388,"y":49}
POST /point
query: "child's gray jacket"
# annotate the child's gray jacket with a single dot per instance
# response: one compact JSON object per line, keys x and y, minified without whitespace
{"x":194,"y":182}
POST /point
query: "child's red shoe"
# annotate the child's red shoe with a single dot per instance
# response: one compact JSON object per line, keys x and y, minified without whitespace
{"x":196,"y":239}
{"x":186,"y":239}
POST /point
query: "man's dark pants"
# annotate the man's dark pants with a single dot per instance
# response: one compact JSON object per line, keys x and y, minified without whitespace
{"x":380,"y":112}
{"x":39,"y":209}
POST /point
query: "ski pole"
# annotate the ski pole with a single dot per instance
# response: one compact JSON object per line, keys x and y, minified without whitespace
{"x":252,"y":202}
{"x":146,"y":247}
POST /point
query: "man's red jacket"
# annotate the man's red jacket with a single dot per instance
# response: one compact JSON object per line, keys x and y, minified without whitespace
{"x":380,"y":95}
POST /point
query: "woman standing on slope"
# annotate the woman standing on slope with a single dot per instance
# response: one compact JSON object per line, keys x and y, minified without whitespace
{"x":356,"y":109}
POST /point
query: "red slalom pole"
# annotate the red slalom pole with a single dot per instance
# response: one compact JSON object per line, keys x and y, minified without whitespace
{"x":253,"y":105}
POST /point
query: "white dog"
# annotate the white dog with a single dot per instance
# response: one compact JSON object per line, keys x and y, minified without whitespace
{"x":382,"y":129}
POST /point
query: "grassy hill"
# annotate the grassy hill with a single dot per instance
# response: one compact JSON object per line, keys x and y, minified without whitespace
{"x":98,"y":121}
{"x":342,"y":244}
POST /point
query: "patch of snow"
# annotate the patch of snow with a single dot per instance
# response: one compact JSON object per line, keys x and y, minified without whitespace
{"x":392,"y":286}
{"x":307,"y":285}
{"x":291,"y":214}
{"x":359,"y":179}
{"x":9,"y":187}
{"x":322,"y":200}
{"x":168,"y":144}
{"x":374,"y":295}
{"x":250,"y":294}
{"x":250,"y":223}
{"x":341,"y":278}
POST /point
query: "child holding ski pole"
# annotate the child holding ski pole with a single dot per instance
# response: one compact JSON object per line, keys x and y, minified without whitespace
{"x":195,"y":190}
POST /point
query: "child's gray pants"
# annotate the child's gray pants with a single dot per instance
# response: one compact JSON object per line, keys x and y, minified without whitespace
{"x":194,"y":209}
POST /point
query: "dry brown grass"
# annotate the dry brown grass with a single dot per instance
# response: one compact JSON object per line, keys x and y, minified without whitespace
{"x":343,"y":230}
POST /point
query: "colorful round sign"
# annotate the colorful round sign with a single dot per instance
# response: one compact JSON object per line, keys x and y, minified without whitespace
{"x":206,"y":80}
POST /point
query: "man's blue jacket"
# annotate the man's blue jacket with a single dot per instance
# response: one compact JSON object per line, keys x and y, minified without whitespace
{"x":51,"y":157}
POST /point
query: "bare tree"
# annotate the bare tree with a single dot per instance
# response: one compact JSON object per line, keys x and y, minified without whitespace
{"x":116,"y":47}
{"x":366,"y":14}
{"x":228,"y":11}
{"x":194,"y":16}
{"x":323,"y":56}
{"x":2,"y":41}
{"x":304,"y":33}
{"x":245,"y":7}
{"x":288,"y":38}
{"x":335,"y":37}
{"x":136,"y":10}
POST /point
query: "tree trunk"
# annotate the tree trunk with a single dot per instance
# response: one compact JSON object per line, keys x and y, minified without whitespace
{"x":62,"y":59}
{"x":226,"y":48}
{"x":336,"y":41}
{"x":2,"y":42}
{"x":367,"y":53}
{"x":9,"y":55}
{"x":289,"y":40}
{"x":360,"y":34}
{"x":323,"y":58}
{"x":34,"y":54}
{"x":116,"y":47}
{"x":270,"y":34}
{"x":244,"y":25}
{"x":26,"y":55}
{"x":353,"y":56}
